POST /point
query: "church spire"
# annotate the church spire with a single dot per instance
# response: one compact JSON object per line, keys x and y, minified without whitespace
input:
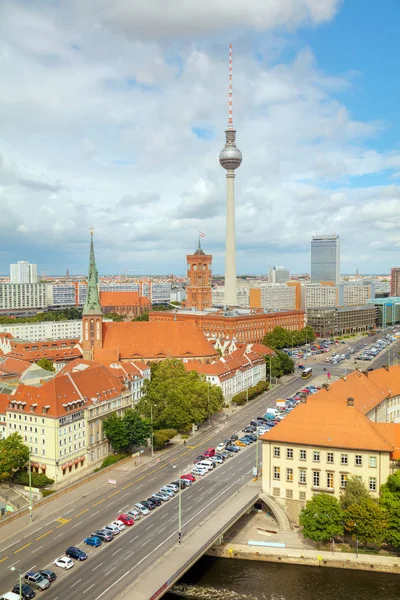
{"x":92,"y":303}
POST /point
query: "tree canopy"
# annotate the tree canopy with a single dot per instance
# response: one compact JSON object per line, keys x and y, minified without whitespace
{"x":355,"y":491}
{"x":280,"y":337}
{"x":322,"y":518}
{"x":128,"y":431}
{"x":367,"y":520}
{"x":13,"y":455}
{"x":390,"y":501}
{"x":178,"y":399}
{"x":67,"y":314}
{"x":46,"y":364}
{"x":280,"y":364}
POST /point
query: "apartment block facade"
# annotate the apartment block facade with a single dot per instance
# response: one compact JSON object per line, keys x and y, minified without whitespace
{"x":20,"y":298}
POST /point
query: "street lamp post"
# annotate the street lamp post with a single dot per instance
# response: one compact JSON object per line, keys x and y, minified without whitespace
{"x":208,"y":403}
{"x":270,"y":370}
{"x":179,"y":505}
{"x":20,"y":580}
{"x":30,"y":489}
{"x":152,"y":431}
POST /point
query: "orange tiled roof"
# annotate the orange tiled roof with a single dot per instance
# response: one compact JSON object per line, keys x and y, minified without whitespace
{"x":387,"y":378}
{"x":261,"y":349}
{"x":391,"y":433}
{"x":153,"y":340}
{"x":61,"y":396}
{"x":326,"y":420}
{"x":56,"y":350}
{"x":13,"y":366}
{"x":123,"y":299}
{"x":228,"y":365}
{"x":6,"y":335}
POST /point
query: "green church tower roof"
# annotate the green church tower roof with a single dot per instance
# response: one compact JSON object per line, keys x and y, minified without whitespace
{"x":92,"y":303}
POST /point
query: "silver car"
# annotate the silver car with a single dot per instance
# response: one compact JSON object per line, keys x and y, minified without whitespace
{"x":141,"y":509}
{"x":134,"y":514}
{"x":161,"y":496}
{"x":167,"y":491}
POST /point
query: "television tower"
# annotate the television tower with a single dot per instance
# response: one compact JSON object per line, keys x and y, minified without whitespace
{"x":230,"y":159}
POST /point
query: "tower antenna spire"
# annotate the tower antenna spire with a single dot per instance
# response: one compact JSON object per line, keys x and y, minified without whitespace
{"x":230,"y":116}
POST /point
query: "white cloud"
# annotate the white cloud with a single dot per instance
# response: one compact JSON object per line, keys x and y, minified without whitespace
{"x":97,"y":111}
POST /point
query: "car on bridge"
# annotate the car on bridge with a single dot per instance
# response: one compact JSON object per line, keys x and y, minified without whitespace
{"x":126,"y":520}
{"x":93,"y":541}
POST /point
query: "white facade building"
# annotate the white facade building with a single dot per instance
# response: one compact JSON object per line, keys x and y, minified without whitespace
{"x":345,"y":294}
{"x":46,"y":330}
{"x":218,"y":296}
{"x":278,"y":275}
{"x":277,"y":296}
{"x":23,"y":272}
{"x":119,"y":287}
{"x":23,"y":296}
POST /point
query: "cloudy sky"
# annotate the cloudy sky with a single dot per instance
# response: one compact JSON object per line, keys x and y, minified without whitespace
{"x":112,"y":116}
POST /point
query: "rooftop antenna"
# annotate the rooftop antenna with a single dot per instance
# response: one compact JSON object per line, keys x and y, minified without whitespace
{"x":230,"y":116}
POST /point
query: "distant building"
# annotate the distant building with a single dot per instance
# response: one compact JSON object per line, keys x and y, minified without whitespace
{"x":60,"y":352}
{"x":198,"y":292}
{"x":23,"y":272}
{"x":325,"y":258}
{"x":273,"y":296}
{"x":339,"y":320}
{"x":45,"y":330}
{"x":127,"y":304}
{"x":242,"y":294}
{"x":67,"y":294}
{"x":278,"y":275}
{"x":395,"y":282}
{"x":23,"y":298}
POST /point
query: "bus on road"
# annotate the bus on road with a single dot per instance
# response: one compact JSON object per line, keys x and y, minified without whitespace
{"x":306,"y":373}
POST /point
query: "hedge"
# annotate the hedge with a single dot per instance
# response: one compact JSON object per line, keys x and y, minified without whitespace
{"x":39,"y":480}
{"x":113,"y":458}
{"x":162,"y":436}
{"x":253,"y":392}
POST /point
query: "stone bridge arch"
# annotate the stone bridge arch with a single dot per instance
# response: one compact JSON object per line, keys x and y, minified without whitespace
{"x":277,"y":510}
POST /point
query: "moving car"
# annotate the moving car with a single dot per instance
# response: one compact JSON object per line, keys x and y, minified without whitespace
{"x":64,"y":562}
{"x":48,"y":574}
{"x":126,"y":520}
{"x":25,"y":592}
{"x":76,"y":553}
{"x":36,"y":580}
{"x":93,"y":541}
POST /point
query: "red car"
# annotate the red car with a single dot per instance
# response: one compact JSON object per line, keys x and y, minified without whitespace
{"x":126,"y":520}
{"x":189,"y":476}
{"x":209,"y":453}
{"x":305,"y":391}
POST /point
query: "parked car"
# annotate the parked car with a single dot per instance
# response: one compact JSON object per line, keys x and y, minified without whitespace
{"x":248,"y":438}
{"x":148,"y":504}
{"x":48,"y":574}
{"x":104,"y":535}
{"x":232,"y":448}
{"x":25,"y":592}
{"x":220,"y":447}
{"x":126,"y":520}
{"x":141,"y":508}
{"x":161,"y":496}
{"x":135,"y":514}
{"x":198,"y":459}
{"x":244,"y":441}
{"x":225,"y":454}
{"x":198,"y":471}
{"x":240,"y":444}
{"x":76,"y":553}
{"x":249,"y":429}
{"x":93,"y":541}
{"x":114,"y":529}
{"x":234,"y":438}
{"x":209,"y":452}
{"x":188,"y":476}
{"x":155,"y":501}
{"x":217,"y":459}
{"x":36,"y":580}
{"x":172,"y":486}
{"x":121,"y":526}
{"x":64,"y":562}
{"x":167,"y":491}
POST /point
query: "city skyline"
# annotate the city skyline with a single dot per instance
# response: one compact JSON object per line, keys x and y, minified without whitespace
{"x":123,"y":134}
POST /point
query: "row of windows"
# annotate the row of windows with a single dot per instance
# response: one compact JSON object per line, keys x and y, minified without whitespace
{"x":25,"y":418}
{"x":318,"y":478}
{"x":316,"y":457}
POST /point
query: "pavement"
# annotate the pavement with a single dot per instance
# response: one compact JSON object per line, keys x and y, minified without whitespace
{"x":66,"y":520}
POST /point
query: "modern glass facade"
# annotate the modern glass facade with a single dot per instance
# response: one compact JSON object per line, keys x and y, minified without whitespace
{"x":325,"y":258}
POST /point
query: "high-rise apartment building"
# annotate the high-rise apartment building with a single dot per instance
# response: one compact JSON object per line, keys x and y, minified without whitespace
{"x":278,"y":275}
{"x":325,"y":258}
{"x":395,"y":281}
{"x":23,"y":272}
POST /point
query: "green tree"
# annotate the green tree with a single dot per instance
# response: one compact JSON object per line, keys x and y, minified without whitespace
{"x":143,"y":317}
{"x":162,"y":436}
{"x":287,"y":364}
{"x":322,"y":518}
{"x":367,"y":520}
{"x":277,"y":339}
{"x":114,"y":317}
{"x":178,"y":399}
{"x":280,"y":364}
{"x":390,"y":501}
{"x":46,"y":364}
{"x":127,"y":431}
{"x":13,"y":455}
{"x":355,"y":491}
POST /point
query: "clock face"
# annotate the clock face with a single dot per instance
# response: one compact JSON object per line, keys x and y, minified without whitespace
{"x":194,"y":267}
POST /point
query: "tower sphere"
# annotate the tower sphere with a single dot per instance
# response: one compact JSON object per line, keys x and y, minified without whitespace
{"x":230,"y":157}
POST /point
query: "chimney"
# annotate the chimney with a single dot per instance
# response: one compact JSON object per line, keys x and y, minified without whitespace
{"x":326,"y":386}
{"x":350,"y":401}
{"x":303,"y":398}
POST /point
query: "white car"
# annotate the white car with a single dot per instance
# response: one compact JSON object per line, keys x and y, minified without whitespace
{"x":114,"y":529}
{"x":220,"y":447}
{"x":121,"y":526}
{"x":217,"y":460}
{"x":64,"y":562}
{"x":142,"y":509}
{"x":167,"y":491}
{"x":198,"y":471}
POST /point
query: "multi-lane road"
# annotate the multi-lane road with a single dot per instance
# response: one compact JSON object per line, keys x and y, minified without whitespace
{"x":112,"y":567}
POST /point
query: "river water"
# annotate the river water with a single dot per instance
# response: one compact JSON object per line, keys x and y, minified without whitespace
{"x":230,"y":579}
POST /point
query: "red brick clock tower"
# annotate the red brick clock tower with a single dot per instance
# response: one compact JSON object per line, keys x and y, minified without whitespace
{"x":198,"y":292}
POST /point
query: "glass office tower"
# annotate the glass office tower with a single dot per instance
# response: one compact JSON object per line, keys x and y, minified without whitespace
{"x":325,"y":258}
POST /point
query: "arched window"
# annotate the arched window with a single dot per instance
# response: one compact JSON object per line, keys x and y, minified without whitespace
{"x":91,"y":329}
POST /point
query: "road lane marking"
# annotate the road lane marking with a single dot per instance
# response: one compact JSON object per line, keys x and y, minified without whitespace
{"x":70,"y":511}
{"x":23,"y":547}
{"x":123,"y":496}
{"x":15,"y":563}
{"x":3,"y":559}
{"x":76,"y":524}
{"x":42,"y":536}
{"x":121,"y":509}
{"x":81,"y":513}
{"x":114,"y":493}
{"x":163,"y":529}
{"x":108,"y":572}
{"x":97,"y":503}
{"x":59,"y":535}
{"x":146,"y":542}
{"x":116,"y":552}
{"x":97,"y":566}
{"x":36,"y":549}
{"x":95,"y":513}
{"x":13,"y":544}
{"x":129,"y":555}
{"x":126,"y":486}
{"x":89,"y":588}
{"x":62,"y":521}
{"x":152,"y":525}
{"x":31,"y":568}
{"x":76,"y":582}
{"x":133,"y":539}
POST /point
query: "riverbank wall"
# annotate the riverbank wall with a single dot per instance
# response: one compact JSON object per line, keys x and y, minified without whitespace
{"x":311,"y":558}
